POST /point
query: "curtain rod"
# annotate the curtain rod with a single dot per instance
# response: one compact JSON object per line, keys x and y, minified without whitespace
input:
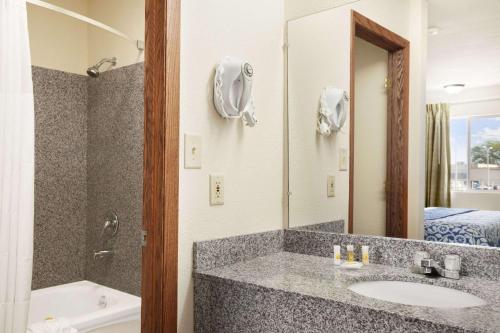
{"x":138,"y":43}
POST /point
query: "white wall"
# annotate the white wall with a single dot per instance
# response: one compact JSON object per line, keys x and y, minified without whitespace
{"x":251,"y":159}
{"x":370,"y":139}
{"x":480,"y":101}
{"x":322,"y":41}
{"x":484,"y":201}
{"x":127,"y":16}
{"x":299,"y":8}
{"x":58,"y":41}
{"x":316,"y":58}
{"x":416,"y":157}
{"x":61,"y":42}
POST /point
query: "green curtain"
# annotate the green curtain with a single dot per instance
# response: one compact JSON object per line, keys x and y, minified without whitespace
{"x":438,"y":160}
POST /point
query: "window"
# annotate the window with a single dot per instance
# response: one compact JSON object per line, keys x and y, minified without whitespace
{"x":475,"y":153}
{"x":459,"y":158}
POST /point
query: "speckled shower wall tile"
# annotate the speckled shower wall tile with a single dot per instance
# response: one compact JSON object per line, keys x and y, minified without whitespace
{"x":481,"y":262}
{"x":88,"y":162}
{"x":114,"y":176}
{"x":333,"y":226}
{"x":60,"y":177}
{"x":227,"y":251}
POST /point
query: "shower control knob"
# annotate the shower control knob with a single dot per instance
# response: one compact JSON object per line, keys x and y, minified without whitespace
{"x":110,"y":226}
{"x":248,"y":69}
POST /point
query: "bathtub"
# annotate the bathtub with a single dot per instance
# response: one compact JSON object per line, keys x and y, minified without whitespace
{"x":86,"y":305}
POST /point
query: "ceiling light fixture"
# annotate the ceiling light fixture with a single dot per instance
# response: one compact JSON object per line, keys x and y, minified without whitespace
{"x":454,"y":88}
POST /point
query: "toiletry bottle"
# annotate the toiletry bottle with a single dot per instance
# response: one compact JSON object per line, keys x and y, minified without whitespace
{"x":365,"y":255}
{"x":350,"y":253}
{"x":336,"y":255}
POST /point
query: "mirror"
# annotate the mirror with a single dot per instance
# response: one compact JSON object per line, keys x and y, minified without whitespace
{"x":419,"y":154}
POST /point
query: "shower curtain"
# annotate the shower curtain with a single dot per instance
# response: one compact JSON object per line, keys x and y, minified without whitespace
{"x":16,"y":167}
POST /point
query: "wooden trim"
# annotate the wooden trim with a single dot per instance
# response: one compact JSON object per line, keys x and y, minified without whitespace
{"x":161,"y":166}
{"x":397,"y":121}
{"x":376,"y":34}
{"x":397,"y":145}
{"x":352,"y":93}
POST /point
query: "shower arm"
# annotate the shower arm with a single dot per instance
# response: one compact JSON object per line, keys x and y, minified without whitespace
{"x":102,"y":61}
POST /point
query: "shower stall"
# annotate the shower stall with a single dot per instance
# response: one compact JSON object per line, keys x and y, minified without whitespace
{"x":88,"y":85}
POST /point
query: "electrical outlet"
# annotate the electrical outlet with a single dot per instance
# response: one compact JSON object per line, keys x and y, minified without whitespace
{"x":216,"y":190}
{"x":192,"y":151}
{"x":330,"y":192}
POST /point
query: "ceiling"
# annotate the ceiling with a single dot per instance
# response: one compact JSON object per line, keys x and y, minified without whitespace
{"x":467,"y":47}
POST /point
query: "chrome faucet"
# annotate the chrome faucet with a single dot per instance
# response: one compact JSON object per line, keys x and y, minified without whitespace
{"x":423,"y":264}
{"x":110,"y":227}
{"x":109,"y":230}
{"x":103,"y":254}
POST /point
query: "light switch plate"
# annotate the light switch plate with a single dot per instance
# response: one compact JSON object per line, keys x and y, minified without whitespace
{"x":216,"y":190}
{"x":192,"y":151}
{"x":343,"y":159}
{"x":330,"y":180}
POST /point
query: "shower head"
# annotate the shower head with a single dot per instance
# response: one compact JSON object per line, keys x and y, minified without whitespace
{"x":93,"y":71}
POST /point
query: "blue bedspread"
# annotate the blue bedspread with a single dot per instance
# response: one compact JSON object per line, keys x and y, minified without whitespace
{"x":434,"y":213}
{"x":476,"y":227}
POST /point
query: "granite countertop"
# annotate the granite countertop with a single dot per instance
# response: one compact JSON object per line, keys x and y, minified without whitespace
{"x":318,"y":277}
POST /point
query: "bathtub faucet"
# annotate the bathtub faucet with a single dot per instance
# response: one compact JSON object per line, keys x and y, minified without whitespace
{"x":103,"y":254}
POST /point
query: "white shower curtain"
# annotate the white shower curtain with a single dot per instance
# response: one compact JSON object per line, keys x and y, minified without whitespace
{"x":16,"y":167}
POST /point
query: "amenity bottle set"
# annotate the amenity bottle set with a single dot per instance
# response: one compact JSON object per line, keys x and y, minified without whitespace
{"x":350,"y":256}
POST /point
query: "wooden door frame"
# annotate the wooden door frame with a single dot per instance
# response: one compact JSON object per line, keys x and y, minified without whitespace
{"x":161,"y":166}
{"x":397,"y":121}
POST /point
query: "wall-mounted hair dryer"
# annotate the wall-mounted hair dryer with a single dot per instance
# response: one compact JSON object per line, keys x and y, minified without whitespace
{"x":233,"y":90}
{"x":332,"y":111}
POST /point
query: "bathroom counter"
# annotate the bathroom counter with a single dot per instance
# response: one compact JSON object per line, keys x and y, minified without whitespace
{"x":294,"y":292}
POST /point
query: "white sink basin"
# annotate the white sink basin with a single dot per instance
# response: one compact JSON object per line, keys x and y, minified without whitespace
{"x":411,"y":293}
